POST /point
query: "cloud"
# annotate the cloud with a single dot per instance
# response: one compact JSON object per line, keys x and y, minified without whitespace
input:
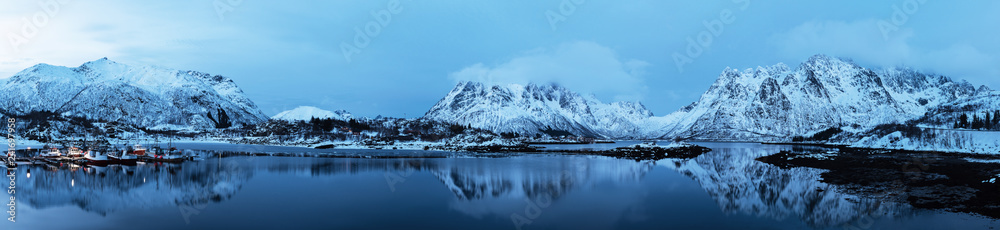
{"x":962,"y":61}
{"x":860,"y":40}
{"x":586,"y":67}
{"x":864,"y":42}
{"x":71,"y":33}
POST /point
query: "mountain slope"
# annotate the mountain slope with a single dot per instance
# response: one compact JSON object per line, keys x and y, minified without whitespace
{"x":143,"y":96}
{"x":532,"y":109}
{"x":946,"y":114}
{"x":936,"y":130}
{"x":776,"y":102}
{"x":306,"y":113}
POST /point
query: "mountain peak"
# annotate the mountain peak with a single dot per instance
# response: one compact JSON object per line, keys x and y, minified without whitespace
{"x":537,"y":108}
{"x":824,"y":92}
{"x":143,"y":96}
{"x":102,"y":61}
{"x":501,"y":85}
{"x":819,"y":57}
{"x":819,"y":61}
{"x":983,"y":90}
{"x":36,"y":67}
{"x":305,"y":113}
{"x":772,"y":70}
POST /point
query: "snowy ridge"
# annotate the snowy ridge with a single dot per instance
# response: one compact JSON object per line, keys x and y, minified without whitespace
{"x":144,"y":96}
{"x":306,"y":113}
{"x":530,"y":109}
{"x":772,"y":103}
{"x":776,"y":102}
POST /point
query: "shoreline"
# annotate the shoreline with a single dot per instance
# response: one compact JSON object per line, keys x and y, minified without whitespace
{"x":846,"y":148}
{"x":445,"y":146}
{"x":953,"y":182}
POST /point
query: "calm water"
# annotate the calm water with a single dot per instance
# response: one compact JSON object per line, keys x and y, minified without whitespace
{"x":725,"y":189}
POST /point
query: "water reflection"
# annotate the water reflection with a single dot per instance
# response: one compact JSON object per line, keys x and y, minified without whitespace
{"x":104,"y":190}
{"x":541,"y":176}
{"x":604,"y":191}
{"x":741,"y":184}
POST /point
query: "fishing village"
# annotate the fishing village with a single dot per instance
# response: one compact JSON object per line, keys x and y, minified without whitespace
{"x":98,"y":153}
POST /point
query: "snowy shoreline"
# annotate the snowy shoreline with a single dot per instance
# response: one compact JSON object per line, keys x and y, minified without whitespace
{"x":944,"y":141}
{"x":987,"y":143}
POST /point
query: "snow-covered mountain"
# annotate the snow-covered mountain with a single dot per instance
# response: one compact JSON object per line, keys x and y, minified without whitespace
{"x":777,"y":102}
{"x":144,"y":96}
{"x":766,"y":103}
{"x":531,"y":109}
{"x":306,"y":113}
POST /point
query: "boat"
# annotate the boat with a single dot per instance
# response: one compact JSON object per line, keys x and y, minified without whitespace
{"x":94,"y":158}
{"x":138,"y":150}
{"x":74,"y":152}
{"x":51,"y":154}
{"x":174,"y":151}
{"x":125,"y":158}
{"x":172,"y":155}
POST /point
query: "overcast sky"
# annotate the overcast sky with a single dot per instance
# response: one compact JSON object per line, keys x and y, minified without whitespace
{"x":290,"y":53}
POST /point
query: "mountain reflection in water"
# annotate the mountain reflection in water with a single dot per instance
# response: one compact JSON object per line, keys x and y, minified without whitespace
{"x":547,"y":191}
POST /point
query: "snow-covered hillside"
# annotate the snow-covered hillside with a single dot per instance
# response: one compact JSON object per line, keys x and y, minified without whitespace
{"x":306,"y":113}
{"x":144,"y":96}
{"x":777,"y":102}
{"x":929,"y":139}
{"x":945,"y":115}
{"x":531,"y":109}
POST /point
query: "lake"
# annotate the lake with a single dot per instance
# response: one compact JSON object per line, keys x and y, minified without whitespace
{"x":723,"y":189}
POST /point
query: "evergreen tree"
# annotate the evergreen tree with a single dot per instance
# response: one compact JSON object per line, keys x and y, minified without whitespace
{"x":456,"y":129}
{"x":976,"y":123}
{"x":996,"y":120}
{"x":988,"y":121}
{"x":963,"y":121}
{"x":326,"y":124}
{"x":314,"y":124}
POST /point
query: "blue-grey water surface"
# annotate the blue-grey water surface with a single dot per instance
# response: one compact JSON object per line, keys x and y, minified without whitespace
{"x":724,"y":189}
